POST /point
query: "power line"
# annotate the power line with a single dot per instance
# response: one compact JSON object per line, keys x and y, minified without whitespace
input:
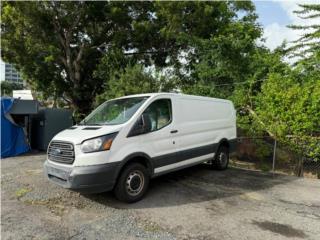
{"x":238,"y":83}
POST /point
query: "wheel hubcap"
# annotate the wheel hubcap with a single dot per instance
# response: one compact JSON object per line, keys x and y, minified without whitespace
{"x":135,"y":183}
{"x":223,"y":158}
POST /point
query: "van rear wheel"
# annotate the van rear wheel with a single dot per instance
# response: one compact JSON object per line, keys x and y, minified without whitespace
{"x":221,"y":158}
{"x":132,"y":183}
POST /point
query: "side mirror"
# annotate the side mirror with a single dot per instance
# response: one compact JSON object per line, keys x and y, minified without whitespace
{"x":146,"y":122}
{"x":142,"y":125}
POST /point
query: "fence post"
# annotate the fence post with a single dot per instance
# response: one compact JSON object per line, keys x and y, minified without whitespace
{"x":274,"y":155}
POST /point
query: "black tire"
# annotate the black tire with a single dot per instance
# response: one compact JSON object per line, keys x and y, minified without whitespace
{"x":132,"y":183}
{"x":221,"y":158}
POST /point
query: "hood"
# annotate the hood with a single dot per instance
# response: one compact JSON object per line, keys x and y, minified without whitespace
{"x":77,"y":134}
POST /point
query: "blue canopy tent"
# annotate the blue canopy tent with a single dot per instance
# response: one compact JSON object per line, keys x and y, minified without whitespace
{"x":13,"y":139}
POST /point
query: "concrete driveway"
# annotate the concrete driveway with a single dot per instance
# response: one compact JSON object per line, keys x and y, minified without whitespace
{"x":195,"y":203}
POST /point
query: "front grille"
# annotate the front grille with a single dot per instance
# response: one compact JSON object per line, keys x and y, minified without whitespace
{"x":62,"y":152}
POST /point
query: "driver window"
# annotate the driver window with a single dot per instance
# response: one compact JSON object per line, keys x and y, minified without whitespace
{"x":159,"y":113}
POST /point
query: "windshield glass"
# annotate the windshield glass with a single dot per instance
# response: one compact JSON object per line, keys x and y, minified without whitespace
{"x":114,"y":112}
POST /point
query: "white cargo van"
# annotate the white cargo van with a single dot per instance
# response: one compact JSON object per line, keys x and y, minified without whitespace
{"x":126,"y":141}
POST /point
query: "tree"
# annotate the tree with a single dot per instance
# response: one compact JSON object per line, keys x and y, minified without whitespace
{"x":217,"y":44}
{"x":57,"y":45}
{"x":8,"y":87}
{"x":262,"y":63}
{"x":308,"y":43}
{"x":289,"y":102}
{"x":134,"y":80}
{"x":289,"y":107}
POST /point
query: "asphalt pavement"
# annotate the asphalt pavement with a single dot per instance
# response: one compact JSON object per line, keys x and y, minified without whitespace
{"x":195,"y":203}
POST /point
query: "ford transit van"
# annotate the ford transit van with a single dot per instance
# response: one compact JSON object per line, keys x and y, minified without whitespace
{"x":127,"y":141}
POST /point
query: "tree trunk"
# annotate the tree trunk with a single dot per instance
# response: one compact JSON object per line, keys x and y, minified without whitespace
{"x":82,"y":107}
{"x":299,"y":167}
{"x":55,"y":99}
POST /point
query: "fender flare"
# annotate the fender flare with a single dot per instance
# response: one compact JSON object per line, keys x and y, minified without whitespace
{"x":231,"y":143}
{"x":131,"y":156}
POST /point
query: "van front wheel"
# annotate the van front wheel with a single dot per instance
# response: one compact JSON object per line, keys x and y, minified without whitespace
{"x":221,"y":158}
{"x":132,"y":183}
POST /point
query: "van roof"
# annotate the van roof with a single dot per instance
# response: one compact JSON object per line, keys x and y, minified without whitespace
{"x":175,"y":94}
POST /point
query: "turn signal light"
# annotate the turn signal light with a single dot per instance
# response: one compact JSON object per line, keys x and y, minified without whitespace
{"x":107,"y":144}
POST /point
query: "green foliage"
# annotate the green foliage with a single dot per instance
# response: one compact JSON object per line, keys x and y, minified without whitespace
{"x":89,"y":52}
{"x":58,"y":45}
{"x":8,"y":87}
{"x":289,"y":102}
{"x":289,"y":106}
{"x":262,"y":63}
{"x":224,"y":58}
{"x":22,"y":192}
{"x":219,"y":44}
{"x":133,"y":80}
{"x":308,"y":43}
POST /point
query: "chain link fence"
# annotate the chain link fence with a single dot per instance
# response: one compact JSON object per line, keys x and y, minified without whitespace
{"x":266,"y":154}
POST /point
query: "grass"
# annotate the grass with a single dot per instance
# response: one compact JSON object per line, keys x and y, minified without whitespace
{"x":52,"y":204}
{"x":22,"y":191}
{"x":265,"y":167}
{"x":152,"y":227}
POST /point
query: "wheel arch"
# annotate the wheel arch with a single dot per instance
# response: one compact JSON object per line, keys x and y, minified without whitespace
{"x":138,"y":157}
{"x":223,"y":142}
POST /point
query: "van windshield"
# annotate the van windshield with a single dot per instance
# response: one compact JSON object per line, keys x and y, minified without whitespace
{"x":114,"y":112}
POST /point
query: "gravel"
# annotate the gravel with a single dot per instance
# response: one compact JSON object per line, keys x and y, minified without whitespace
{"x":195,"y":203}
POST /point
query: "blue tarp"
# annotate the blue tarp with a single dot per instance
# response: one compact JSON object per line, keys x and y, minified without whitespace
{"x":13,"y":139}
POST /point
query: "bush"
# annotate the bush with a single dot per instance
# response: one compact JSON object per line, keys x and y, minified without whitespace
{"x":8,"y":87}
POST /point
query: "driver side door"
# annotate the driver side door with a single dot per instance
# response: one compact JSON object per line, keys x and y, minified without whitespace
{"x":159,"y":141}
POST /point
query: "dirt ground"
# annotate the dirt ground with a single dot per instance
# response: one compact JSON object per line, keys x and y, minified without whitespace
{"x":195,"y":203}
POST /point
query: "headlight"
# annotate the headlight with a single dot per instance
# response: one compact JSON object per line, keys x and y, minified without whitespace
{"x":98,"y":144}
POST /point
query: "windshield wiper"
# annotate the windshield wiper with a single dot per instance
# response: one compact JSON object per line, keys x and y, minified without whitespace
{"x":83,"y":122}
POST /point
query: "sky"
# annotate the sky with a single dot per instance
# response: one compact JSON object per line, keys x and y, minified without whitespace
{"x":274,"y":16}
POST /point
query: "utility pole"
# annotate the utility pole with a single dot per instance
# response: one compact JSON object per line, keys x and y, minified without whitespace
{"x":274,"y":155}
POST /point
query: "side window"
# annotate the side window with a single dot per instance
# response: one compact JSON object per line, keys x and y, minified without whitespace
{"x":160,"y":113}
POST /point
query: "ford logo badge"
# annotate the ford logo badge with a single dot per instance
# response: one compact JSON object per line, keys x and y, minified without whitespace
{"x":56,"y":151}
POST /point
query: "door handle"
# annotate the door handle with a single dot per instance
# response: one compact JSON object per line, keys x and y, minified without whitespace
{"x":173,"y":131}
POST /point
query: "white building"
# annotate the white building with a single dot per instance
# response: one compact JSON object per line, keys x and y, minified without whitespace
{"x":2,"y":70}
{"x":9,"y":73}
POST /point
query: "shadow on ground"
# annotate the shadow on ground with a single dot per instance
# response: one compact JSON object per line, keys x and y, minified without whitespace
{"x":197,"y":184}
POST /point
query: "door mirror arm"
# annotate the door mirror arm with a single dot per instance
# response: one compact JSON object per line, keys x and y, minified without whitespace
{"x":142,"y":125}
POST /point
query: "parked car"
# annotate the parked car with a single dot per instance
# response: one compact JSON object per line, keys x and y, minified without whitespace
{"x":127,"y":141}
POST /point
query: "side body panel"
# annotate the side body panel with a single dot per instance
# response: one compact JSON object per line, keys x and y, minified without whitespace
{"x":204,"y":121}
{"x":201,"y":123}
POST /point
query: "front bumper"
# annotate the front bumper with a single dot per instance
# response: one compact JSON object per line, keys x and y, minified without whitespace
{"x":86,"y":179}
